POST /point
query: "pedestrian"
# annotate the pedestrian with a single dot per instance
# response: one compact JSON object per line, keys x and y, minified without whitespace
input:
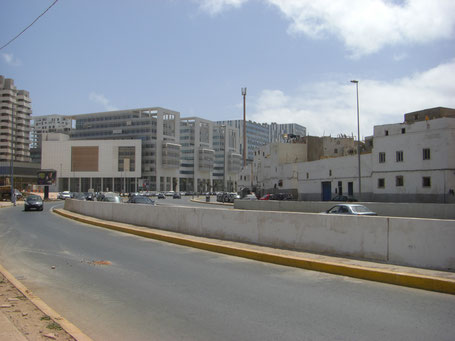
{"x":13,"y":198}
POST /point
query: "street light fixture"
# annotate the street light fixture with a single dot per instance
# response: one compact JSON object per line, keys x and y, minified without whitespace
{"x":244,"y":126}
{"x":358,"y":136}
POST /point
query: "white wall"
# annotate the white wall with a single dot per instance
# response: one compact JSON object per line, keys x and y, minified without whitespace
{"x":402,"y":241}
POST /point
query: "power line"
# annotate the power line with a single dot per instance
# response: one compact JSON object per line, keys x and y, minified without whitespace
{"x":25,"y":29}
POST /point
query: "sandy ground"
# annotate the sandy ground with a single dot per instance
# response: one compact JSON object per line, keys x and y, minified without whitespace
{"x":27,"y":318}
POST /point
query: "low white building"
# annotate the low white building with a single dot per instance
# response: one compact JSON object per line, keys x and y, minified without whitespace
{"x":101,"y":165}
{"x":409,"y":162}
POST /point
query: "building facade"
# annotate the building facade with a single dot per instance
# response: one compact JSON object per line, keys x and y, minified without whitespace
{"x":408,"y":162}
{"x":157,"y":128}
{"x":99,"y":165}
{"x":15,"y":112}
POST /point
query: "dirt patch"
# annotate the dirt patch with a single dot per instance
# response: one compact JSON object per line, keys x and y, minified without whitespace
{"x":27,"y":318}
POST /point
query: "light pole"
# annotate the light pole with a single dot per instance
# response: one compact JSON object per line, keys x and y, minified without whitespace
{"x":244,"y":126}
{"x":13,"y":103}
{"x":358,"y":136}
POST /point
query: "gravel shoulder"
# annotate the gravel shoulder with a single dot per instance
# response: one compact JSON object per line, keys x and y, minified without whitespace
{"x":26,"y":317}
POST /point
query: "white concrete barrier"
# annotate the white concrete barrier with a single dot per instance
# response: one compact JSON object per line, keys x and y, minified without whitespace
{"x":415,"y":242}
{"x":411,"y":210}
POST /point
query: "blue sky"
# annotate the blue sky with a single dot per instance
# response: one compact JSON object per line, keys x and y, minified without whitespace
{"x":296,"y":57}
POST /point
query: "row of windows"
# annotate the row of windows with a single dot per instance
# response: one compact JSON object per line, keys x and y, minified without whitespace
{"x":399,"y":181}
{"x":399,"y":156}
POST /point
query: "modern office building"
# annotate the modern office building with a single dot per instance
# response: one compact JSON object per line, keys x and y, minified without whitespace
{"x":15,"y":111}
{"x":99,"y":165}
{"x":48,"y":124}
{"x":157,"y":128}
{"x":260,"y":134}
{"x":279,"y":132}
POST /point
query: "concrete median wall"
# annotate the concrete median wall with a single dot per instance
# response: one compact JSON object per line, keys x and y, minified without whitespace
{"x":414,"y":242}
{"x":411,"y":210}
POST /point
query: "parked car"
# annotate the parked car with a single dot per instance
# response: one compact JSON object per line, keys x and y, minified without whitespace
{"x":177,"y":195}
{"x":141,"y":199}
{"x":18,"y":194}
{"x":65,"y":195}
{"x":89,"y":196}
{"x":161,"y":196}
{"x":79,"y":196}
{"x":344,"y":198}
{"x":354,"y":209}
{"x":250,"y":197}
{"x":113,"y":198}
{"x":33,"y":202}
{"x":230,"y":197}
{"x":267,"y":197}
{"x":282,"y":196}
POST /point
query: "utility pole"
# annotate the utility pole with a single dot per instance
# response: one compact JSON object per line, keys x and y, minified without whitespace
{"x":358,"y":137}
{"x":13,"y":103}
{"x":244,"y":126}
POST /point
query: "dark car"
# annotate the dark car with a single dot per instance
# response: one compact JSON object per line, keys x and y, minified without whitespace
{"x":112,"y":198}
{"x":344,"y":198}
{"x":282,"y":196}
{"x":161,"y":196}
{"x":354,"y":209}
{"x":177,"y":195}
{"x":89,"y":196}
{"x":79,"y":196}
{"x":141,"y":199}
{"x":33,"y":202}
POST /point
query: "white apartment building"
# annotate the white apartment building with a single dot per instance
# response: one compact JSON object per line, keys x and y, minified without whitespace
{"x":15,"y":111}
{"x":412,"y":161}
{"x":48,"y":124}
{"x":101,"y":165}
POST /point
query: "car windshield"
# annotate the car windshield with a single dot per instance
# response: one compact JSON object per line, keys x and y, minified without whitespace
{"x":34,"y":198}
{"x":360,"y":209}
{"x":112,"y":199}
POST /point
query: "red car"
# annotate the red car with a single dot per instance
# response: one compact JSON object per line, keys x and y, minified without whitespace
{"x":267,"y":197}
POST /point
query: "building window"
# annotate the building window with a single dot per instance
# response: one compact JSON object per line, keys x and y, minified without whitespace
{"x":399,"y":181}
{"x":307,"y":175}
{"x":400,"y":156}
{"x":336,"y":151}
{"x":426,"y":153}
{"x":330,"y":172}
{"x":403,"y":130}
{"x":381,"y":183}
{"x":382,"y":157}
{"x":386,"y":133}
{"x":426,"y":181}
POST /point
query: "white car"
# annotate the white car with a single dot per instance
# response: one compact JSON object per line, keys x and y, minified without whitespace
{"x":65,"y":195}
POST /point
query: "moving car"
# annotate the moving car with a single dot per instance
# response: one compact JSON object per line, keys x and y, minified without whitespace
{"x":354,"y":209}
{"x":141,"y":199}
{"x":267,"y":197}
{"x":161,"y":196}
{"x":33,"y":202}
{"x":250,"y":197}
{"x":177,"y":195}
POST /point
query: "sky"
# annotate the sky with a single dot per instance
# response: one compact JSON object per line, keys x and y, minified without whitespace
{"x":295,"y":57}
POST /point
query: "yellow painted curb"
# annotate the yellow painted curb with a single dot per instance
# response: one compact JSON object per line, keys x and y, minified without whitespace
{"x":417,"y":281}
{"x":70,"y":328}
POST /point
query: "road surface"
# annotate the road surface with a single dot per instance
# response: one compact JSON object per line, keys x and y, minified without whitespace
{"x":121,"y":287}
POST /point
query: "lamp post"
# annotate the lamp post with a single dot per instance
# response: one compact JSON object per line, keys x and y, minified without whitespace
{"x":244,"y":126}
{"x":13,"y":103}
{"x":358,"y":136}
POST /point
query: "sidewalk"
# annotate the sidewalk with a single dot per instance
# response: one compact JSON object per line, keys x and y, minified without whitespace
{"x":433,"y":280}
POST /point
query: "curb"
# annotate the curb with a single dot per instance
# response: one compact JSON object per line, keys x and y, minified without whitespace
{"x":70,"y":328}
{"x":417,"y":281}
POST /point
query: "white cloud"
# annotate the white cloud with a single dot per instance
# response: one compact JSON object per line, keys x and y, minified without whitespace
{"x":216,"y":6}
{"x":364,"y":26}
{"x":101,"y":99}
{"x":330,"y":107}
{"x":10,"y":59}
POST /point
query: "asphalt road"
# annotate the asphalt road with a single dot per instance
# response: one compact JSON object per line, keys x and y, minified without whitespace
{"x":121,"y":287}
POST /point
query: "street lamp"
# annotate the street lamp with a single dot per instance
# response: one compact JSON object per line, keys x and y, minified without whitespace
{"x":358,"y":136}
{"x":244,"y":126}
{"x":13,"y":103}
